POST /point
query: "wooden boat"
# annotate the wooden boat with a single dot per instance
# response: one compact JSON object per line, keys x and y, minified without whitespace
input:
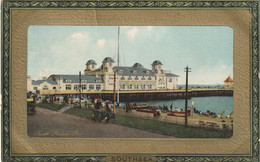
{"x":141,"y":107}
{"x":146,"y":110}
{"x":177,"y":114}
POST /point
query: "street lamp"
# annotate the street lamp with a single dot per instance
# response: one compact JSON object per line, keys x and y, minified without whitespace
{"x":192,"y":111}
{"x":187,"y":70}
{"x":114,"y":102}
{"x":79,"y":89}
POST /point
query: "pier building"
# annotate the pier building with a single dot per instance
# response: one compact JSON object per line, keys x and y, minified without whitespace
{"x":134,"y":77}
{"x":40,"y":85}
{"x":101,"y":78}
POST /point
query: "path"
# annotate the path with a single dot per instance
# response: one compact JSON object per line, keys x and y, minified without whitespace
{"x":47,"y":123}
{"x":65,"y":108}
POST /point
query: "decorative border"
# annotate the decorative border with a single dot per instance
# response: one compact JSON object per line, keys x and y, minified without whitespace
{"x":8,"y":5}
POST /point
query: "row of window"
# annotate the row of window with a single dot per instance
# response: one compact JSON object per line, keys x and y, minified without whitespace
{"x":143,"y":78}
{"x":136,"y":86}
{"x":82,"y":81}
{"x":44,"y":88}
{"x":134,"y":72}
{"x":161,"y":83}
{"x":84,"y":87}
{"x":169,"y":80}
{"x":161,"y":87}
{"x":136,"y":78}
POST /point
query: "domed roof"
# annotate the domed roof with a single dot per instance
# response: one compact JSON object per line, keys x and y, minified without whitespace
{"x":157,"y":62}
{"x":138,"y":65}
{"x":108,"y":59}
{"x":91,"y":62}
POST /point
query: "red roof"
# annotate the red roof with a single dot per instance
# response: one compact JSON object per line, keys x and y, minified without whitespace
{"x":228,"y":79}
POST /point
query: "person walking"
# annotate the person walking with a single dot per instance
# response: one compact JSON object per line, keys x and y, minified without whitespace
{"x":109,"y":105}
{"x":127,"y":106}
{"x":109,"y":113}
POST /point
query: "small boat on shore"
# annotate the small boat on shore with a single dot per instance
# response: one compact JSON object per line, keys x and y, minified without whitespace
{"x":146,"y":110}
{"x":150,"y":109}
{"x":141,"y":106}
{"x":177,"y":114}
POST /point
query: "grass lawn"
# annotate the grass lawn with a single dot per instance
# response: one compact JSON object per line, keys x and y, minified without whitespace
{"x":202,"y":117}
{"x":82,"y":112}
{"x":156,"y":126}
{"x":169,"y":128}
{"x":50,"y":106}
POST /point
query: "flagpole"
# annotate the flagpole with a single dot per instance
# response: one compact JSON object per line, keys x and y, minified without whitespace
{"x":118,"y":65}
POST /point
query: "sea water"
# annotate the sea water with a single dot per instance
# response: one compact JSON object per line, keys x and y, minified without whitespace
{"x":215,"y":104}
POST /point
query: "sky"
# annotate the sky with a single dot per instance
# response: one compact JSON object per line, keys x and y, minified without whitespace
{"x":207,"y":50}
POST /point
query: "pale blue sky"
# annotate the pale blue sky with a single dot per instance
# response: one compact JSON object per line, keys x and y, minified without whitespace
{"x":208,"y":50}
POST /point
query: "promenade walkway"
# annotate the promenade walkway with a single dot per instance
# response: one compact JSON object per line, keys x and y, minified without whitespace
{"x":208,"y":123}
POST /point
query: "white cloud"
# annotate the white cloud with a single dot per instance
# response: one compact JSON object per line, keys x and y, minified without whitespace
{"x":64,"y":57}
{"x":78,"y":35}
{"x":101,"y":42}
{"x":75,"y":44}
{"x":131,"y":33}
{"x":69,"y":56}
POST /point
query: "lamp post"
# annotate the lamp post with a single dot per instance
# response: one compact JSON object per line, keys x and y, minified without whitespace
{"x":187,"y":70}
{"x":59,"y":91}
{"x":79,"y":89}
{"x":114,"y":105}
{"x":192,"y":109}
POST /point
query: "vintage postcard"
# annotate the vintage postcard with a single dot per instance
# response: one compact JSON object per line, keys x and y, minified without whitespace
{"x":134,"y":77}
{"x":102,"y":82}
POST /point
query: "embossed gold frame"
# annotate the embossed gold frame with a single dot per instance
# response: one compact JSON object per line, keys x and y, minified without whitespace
{"x":241,"y":16}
